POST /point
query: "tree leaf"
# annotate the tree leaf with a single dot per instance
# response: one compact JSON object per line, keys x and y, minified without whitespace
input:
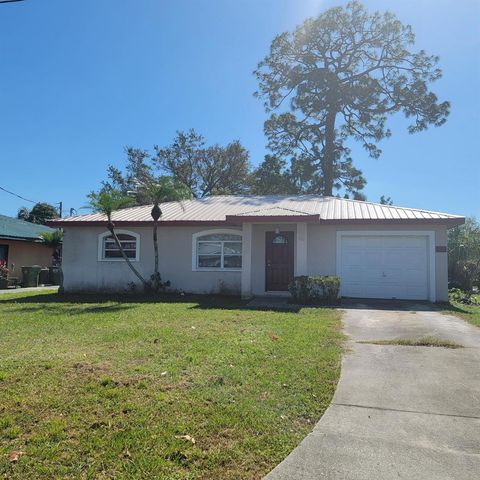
{"x":14,"y":455}
{"x":187,"y":438}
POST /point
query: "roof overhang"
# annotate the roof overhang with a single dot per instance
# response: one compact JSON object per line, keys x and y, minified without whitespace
{"x":130,"y":223}
{"x":240,"y":219}
{"x":21,"y":239}
{"x":448,"y":222}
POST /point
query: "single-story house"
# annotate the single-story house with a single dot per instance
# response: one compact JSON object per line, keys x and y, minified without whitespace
{"x":21,"y":245}
{"x":254,"y":245}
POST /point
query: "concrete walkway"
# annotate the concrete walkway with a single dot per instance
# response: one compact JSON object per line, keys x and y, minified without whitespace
{"x":53,"y":289}
{"x":398,"y":412}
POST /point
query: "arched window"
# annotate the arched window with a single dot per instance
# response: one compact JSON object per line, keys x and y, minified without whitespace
{"x":280,"y":239}
{"x":217,"y":250}
{"x":109,"y":251}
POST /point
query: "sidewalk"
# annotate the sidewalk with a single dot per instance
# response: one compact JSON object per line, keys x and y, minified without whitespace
{"x":52,"y":288}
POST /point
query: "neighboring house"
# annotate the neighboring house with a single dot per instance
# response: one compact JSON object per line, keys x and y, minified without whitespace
{"x":254,"y":245}
{"x":21,"y":245}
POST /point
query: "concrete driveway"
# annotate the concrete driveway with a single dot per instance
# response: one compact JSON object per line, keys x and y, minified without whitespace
{"x":398,"y":412}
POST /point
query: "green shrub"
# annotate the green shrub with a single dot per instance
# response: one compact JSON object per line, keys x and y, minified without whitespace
{"x":315,"y":289}
{"x":459,"y":296}
{"x":464,"y":255}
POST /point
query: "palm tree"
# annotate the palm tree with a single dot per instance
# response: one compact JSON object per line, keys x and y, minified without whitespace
{"x":107,"y":202}
{"x":54,"y":241}
{"x":23,"y":214}
{"x":163,"y":191}
{"x":156,"y":214}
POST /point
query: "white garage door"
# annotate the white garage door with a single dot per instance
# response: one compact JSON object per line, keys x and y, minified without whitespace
{"x":384,"y":266}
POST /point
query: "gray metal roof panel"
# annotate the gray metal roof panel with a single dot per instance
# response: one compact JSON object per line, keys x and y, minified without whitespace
{"x":216,"y":208}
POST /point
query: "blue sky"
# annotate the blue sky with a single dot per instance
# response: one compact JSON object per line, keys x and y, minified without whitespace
{"x":82,"y":79}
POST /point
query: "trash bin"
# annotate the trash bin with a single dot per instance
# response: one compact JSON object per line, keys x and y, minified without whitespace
{"x":44,"y":276}
{"x":30,"y":275}
{"x":55,"y":275}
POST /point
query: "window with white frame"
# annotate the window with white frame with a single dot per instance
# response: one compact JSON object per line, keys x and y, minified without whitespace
{"x":108,"y":249}
{"x":220,"y":250}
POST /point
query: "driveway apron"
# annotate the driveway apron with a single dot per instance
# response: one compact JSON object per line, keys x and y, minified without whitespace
{"x":399,"y":412}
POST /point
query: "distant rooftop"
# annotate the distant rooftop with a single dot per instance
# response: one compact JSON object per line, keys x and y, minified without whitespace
{"x":233,"y":209}
{"x":14,"y":229}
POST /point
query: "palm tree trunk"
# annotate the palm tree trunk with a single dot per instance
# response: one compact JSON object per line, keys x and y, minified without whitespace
{"x":155,"y":246}
{"x":124,"y":255}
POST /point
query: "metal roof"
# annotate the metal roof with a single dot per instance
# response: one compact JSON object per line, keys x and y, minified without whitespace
{"x":235,"y":209}
{"x":13,"y":228}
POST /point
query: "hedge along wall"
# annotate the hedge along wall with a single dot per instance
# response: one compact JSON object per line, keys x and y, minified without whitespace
{"x":315,"y":289}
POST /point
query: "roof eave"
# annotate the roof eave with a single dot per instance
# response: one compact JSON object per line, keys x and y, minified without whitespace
{"x":138,"y":223}
{"x":449,"y":222}
{"x":239,"y":219}
{"x":21,"y":239}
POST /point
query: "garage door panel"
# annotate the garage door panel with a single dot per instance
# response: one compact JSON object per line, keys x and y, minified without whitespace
{"x":392,"y":276}
{"x":350,"y":242}
{"x":415,"y":284}
{"x":353,"y":290}
{"x":414,"y":263}
{"x":371,"y":291}
{"x":416,"y":293}
{"x":353,"y":258}
{"x":373,"y":258}
{"x":384,"y":266}
{"x":374,"y":242}
{"x":354,"y":273}
{"x":372,"y":275}
{"x":393,"y":256}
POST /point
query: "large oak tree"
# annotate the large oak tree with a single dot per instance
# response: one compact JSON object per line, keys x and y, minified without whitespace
{"x":338,"y":77}
{"x":205,"y":170}
{"x":140,"y":181}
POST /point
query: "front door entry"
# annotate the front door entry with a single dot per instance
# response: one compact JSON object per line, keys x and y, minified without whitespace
{"x":278,"y":261}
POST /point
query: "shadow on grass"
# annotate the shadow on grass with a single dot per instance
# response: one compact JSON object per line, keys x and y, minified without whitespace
{"x":64,"y":308}
{"x":456,"y":308}
{"x":102,"y":303}
{"x":111,"y":302}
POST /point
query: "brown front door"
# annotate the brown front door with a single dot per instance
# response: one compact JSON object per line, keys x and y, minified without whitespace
{"x":278,"y":261}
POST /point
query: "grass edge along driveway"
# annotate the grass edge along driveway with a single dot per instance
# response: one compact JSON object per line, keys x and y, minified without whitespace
{"x":182,"y":388}
{"x":470,"y":313}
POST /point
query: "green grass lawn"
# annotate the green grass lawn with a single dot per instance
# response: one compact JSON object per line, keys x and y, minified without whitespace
{"x":109,"y":389}
{"x":470,"y":313}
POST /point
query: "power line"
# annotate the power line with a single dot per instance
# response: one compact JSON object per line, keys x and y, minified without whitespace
{"x":4,"y":189}
{"x":60,"y":204}
{"x":10,"y":1}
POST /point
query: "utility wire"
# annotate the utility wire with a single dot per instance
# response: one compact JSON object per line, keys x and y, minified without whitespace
{"x":10,"y":1}
{"x":4,"y":189}
{"x":60,"y":204}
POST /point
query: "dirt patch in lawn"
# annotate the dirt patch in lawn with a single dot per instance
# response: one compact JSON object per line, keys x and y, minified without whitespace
{"x":415,"y":342}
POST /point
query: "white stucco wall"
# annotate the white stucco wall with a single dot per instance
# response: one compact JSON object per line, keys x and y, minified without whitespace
{"x":83,"y":271}
{"x":322,"y":250}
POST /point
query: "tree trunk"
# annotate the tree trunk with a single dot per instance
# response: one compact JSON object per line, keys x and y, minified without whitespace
{"x":329,"y":153}
{"x":155,"y":246}
{"x":129,"y":263}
